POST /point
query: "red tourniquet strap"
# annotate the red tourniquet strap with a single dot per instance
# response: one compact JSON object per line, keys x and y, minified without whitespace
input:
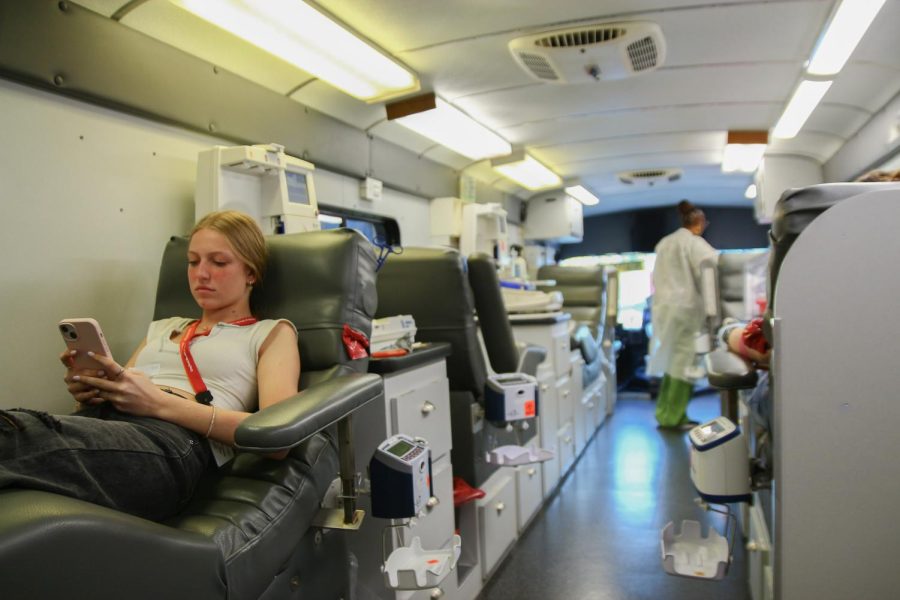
{"x":203,"y":395}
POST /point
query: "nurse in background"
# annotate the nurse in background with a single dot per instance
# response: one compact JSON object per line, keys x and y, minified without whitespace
{"x":678,"y":314}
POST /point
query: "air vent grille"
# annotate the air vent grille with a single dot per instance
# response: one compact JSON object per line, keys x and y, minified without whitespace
{"x":585,"y":37}
{"x":643,"y":54}
{"x":650,"y":176}
{"x":539,"y":66}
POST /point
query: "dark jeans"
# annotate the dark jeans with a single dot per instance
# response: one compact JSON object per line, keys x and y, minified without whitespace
{"x":143,"y":466}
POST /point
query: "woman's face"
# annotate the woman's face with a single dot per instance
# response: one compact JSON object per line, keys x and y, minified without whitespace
{"x":218,"y":277}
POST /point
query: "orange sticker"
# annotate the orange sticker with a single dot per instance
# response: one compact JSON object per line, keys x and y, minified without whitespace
{"x":529,"y":408}
{"x":433,"y":561}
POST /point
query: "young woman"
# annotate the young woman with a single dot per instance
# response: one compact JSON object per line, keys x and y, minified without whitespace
{"x":146,"y":431}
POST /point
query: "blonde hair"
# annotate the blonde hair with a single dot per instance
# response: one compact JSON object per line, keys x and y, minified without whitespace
{"x":243,"y":234}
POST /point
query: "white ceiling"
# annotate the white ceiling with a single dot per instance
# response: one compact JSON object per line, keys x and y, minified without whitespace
{"x":730,"y":65}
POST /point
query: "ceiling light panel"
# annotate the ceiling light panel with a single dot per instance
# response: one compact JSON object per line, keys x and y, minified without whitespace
{"x":306,"y":38}
{"x":583,"y":195}
{"x":526,"y":171}
{"x":800,"y":106}
{"x":846,"y":29}
{"x":454,"y":129}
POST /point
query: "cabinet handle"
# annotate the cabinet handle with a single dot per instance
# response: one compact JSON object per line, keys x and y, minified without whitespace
{"x":500,"y":506}
{"x":531,"y":472}
{"x":567,"y":439}
{"x":436,"y":593}
{"x":590,"y":405}
{"x":432,"y":503}
{"x":428,"y":408}
{"x":544,"y":387}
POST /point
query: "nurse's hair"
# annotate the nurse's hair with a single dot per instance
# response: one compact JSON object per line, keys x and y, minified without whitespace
{"x":690,"y":214}
{"x":244,"y":235}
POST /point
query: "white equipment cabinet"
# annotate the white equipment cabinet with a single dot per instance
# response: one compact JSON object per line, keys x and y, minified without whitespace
{"x":417,"y":404}
{"x":557,"y":402}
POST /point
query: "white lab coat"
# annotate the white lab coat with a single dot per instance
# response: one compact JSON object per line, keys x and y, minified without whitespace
{"x":677,"y":309}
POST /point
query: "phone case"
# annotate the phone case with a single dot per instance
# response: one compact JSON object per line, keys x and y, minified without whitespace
{"x":84,"y":335}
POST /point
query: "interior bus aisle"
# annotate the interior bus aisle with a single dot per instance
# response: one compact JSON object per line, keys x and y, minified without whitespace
{"x":598,"y":537}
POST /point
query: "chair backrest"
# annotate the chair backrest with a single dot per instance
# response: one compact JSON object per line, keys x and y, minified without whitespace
{"x":731,"y":281}
{"x":583,"y":290}
{"x":499,"y":341}
{"x":796,"y":209}
{"x":319,"y":280}
{"x":432,"y":285}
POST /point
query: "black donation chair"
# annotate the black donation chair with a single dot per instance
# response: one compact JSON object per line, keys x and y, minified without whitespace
{"x":247,"y":532}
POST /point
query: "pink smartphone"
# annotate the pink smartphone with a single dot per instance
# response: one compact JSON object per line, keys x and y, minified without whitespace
{"x":84,"y":335}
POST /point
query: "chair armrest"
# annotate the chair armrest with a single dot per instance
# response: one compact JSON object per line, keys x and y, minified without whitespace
{"x":728,"y":371}
{"x":288,"y":423}
{"x":529,"y":358}
{"x":583,"y":340}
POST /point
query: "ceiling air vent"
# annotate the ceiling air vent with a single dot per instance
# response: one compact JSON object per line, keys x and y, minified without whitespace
{"x":650,"y":177}
{"x":591,"y":53}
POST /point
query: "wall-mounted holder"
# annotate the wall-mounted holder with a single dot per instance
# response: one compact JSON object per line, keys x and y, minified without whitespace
{"x":413,"y":568}
{"x":511,"y":456}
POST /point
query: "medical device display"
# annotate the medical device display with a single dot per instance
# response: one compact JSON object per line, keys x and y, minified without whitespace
{"x":400,"y":473}
{"x":262,"y":181}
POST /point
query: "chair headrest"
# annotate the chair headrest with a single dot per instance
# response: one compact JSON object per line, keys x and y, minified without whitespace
{"x":432,"y":285}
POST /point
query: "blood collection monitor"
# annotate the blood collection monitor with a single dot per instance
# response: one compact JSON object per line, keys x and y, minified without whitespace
{"x":720,"y":462}
{"x":400,"y":474}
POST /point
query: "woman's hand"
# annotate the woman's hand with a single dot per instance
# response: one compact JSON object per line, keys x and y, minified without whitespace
{"x":130,"y":391}
{"x":83,"y":392}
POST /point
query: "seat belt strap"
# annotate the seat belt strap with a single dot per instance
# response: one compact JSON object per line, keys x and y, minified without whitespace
{"x":201,"y":392}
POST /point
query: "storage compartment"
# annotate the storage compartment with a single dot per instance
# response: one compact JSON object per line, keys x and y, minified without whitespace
{"x":529,"y":493}
{"x":425,"y":412}
{"x":566,"y":444}
{"x":497,"y":517}
{"x":565,"y":402}
{"x":547,"y":427}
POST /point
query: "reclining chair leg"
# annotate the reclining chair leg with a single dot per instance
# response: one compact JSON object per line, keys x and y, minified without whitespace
{"x":348,"y":469}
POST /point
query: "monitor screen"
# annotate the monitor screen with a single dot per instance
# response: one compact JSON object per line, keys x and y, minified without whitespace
{"x":298,"y":192}
{"x":400,"y":448}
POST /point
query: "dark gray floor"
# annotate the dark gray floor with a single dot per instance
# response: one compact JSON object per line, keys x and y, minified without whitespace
{"x":598,"y":537}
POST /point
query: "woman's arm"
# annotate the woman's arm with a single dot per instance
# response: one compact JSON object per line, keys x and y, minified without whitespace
{"x":278,"y":374}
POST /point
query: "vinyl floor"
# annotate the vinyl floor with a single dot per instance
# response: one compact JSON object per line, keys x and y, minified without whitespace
{"x":597,"y":538}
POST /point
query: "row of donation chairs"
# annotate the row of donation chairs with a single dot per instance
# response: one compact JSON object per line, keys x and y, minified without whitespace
{"x":248,"y":533}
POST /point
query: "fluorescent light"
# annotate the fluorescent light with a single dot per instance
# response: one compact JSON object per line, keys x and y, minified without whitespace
{"x":306,"y":38}
{"x":751,"y":192}
{"x":583,"y":195}
{"x":450,"y":127}
{"x":526,"y":171}
{"x":801,"y":105}
{"x":743,"y":158}
{"x":849,"y":24}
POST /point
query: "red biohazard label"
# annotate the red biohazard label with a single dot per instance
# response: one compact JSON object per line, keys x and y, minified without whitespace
{"x":529,"y":408}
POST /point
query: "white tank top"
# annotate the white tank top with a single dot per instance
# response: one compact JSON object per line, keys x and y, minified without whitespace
{"x":226,"y":359}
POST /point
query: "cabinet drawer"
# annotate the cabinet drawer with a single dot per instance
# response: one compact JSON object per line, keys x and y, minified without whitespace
{"x":425,"y":412}
{"x":529,"y":492}
{"x":497,"y":512}
{"x":561,"y":353}
{"x":565,"y":400}
{"x":566,"y":444}
{"x":436,"y":527}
